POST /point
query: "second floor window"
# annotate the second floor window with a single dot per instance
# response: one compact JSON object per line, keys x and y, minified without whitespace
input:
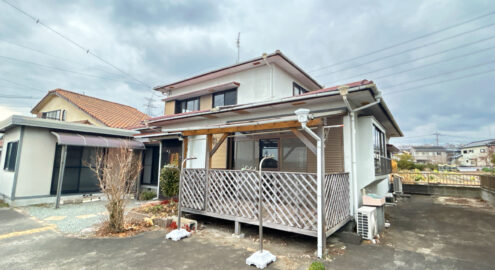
{"x":54,"y":115}
{"x":225,"y":98}
{"x":187,"y":105}
{"x":298,"y":90}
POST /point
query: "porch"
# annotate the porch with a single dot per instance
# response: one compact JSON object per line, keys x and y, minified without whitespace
{"x":289,"y":198}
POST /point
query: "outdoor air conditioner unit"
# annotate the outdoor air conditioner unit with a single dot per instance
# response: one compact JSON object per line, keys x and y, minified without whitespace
{"x":397,"y":185}
{"x":366,"y":222}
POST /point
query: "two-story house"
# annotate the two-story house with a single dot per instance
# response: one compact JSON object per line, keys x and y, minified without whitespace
{"x":327,"y":146}
{"x":477,"y":154}
{"x":430,"y":154}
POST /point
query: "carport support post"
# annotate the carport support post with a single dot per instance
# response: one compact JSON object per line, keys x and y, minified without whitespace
{"x":61,"y":170}
{"x":320,"y":160}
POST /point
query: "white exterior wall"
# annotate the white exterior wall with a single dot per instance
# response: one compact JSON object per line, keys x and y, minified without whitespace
{"x":6,"y":177}
{"x":366,"y":178}
{"x":36,"y":163}
{"x":196,"y":148}
{"x":283,"y":83}
{"x":255,"y":84}
{"x":476,"y":158}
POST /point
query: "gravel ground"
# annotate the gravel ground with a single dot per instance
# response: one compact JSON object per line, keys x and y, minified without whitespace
{"x":73,"y":218}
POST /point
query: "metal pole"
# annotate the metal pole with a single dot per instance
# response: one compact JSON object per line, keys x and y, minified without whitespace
{"x":260,"y":216}
{"x":159,"y":170}
{"x":180,"y":185}
{"x":63,"y":156}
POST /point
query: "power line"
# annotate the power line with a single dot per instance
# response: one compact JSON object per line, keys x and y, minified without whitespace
{"x":416,"y":59}
{"x":409,"y":50}
{"x":439,"y":82}
{"x":59,"y":69}
{"x":434,"y":63}
{"x":18,"y":97}
{"x":406,"y":41}
{"x":54,"y":56}
{"x":441,"y":74}
{"x":21,"y":85}
{"x":75,"y":43}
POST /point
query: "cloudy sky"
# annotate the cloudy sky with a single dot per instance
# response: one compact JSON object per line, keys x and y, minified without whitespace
{"x":438,"y":82}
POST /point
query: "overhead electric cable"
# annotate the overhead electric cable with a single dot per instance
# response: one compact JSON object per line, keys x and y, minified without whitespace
{"x":407,"y":41}
{"x":414,"y":59}
{"x":38,"y":21}
{"x":408,"y":50}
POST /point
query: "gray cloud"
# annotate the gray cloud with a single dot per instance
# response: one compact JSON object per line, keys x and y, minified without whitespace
{"x":162,"y":41}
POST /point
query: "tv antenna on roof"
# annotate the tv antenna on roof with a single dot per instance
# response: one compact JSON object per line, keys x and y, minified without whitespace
{"x":238,"y":46}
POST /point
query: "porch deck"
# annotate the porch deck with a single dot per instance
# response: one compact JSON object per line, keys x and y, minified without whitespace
{"x":289,"y":198}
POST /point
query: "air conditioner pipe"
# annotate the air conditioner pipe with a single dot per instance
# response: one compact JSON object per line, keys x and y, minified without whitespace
{"x":344,"y":90}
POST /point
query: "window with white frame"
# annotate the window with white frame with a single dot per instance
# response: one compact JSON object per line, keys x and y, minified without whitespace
{"x":379,"y":149}
{"x":54,"y":115}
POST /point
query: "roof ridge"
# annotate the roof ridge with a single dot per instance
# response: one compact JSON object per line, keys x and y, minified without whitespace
{"x":104,"y":100}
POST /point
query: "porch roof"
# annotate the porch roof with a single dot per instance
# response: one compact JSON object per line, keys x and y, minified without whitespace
{"x":324,"y":100}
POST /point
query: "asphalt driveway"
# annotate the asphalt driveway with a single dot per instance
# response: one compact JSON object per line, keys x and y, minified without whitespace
{"x":426,"y":233}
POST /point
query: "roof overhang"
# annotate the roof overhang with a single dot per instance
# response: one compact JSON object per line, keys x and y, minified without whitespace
{"x":324,"y":100}
{"x":75,"y":139}
{"x":19,"y":120}
{"x":276,"y":58}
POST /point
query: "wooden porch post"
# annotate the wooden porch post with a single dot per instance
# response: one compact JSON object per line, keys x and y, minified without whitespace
{"x":209,"y":141}
{"x":184,"y":150}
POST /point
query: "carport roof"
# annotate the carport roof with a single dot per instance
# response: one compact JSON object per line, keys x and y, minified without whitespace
{"x":19,"y":120}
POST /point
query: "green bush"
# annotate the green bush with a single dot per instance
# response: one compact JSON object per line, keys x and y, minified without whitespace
{"x":155,"y":209}
{"x":169,"y":181}
{"x":317,"y":266}
{"x":147,"y":195}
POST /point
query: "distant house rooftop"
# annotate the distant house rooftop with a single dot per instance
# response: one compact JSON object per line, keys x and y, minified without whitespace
{"x":111,"y":114}
{"x":479,"y":143}
{"x":429,"y":148}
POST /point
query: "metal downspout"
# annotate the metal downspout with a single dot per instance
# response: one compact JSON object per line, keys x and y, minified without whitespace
{"x":319,"y":188}
{"x":271,"y":74}
{"x":352,"y":113}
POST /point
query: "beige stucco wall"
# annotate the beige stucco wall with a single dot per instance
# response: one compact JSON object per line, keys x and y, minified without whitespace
{"x":36,"y":163}
{"x":170,"y":107}
{"x":73,"y":112}
{"x":6,"y":177}
{"x":205,"y":102}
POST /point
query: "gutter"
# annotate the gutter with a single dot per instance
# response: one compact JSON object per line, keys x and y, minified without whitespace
{"x":266,"y":103}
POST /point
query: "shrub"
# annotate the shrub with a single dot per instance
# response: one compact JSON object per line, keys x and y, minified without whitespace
{"x":169,"y":181}
{"x":317,"y":266}
{"x":155,"y":209}
{"x":147,"y":195}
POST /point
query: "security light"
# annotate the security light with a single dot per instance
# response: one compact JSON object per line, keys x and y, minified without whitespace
{"x":302,"y":115}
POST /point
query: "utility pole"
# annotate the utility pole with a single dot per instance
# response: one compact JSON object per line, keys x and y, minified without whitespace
{"x":436,"y":135}
{"x":238,"y":46}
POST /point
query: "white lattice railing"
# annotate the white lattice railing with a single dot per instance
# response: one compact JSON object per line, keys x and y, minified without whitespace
{"x":337,"y":204}
{"x":289,"y":198}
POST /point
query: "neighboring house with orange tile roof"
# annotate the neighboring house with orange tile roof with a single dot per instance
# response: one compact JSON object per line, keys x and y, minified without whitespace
{"x":69,"y":106}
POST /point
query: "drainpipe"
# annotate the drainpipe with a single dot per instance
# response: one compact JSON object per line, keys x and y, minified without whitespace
{"x":344,"y":90}
{"x":303,"y":118}
{"x":264,"y":56}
